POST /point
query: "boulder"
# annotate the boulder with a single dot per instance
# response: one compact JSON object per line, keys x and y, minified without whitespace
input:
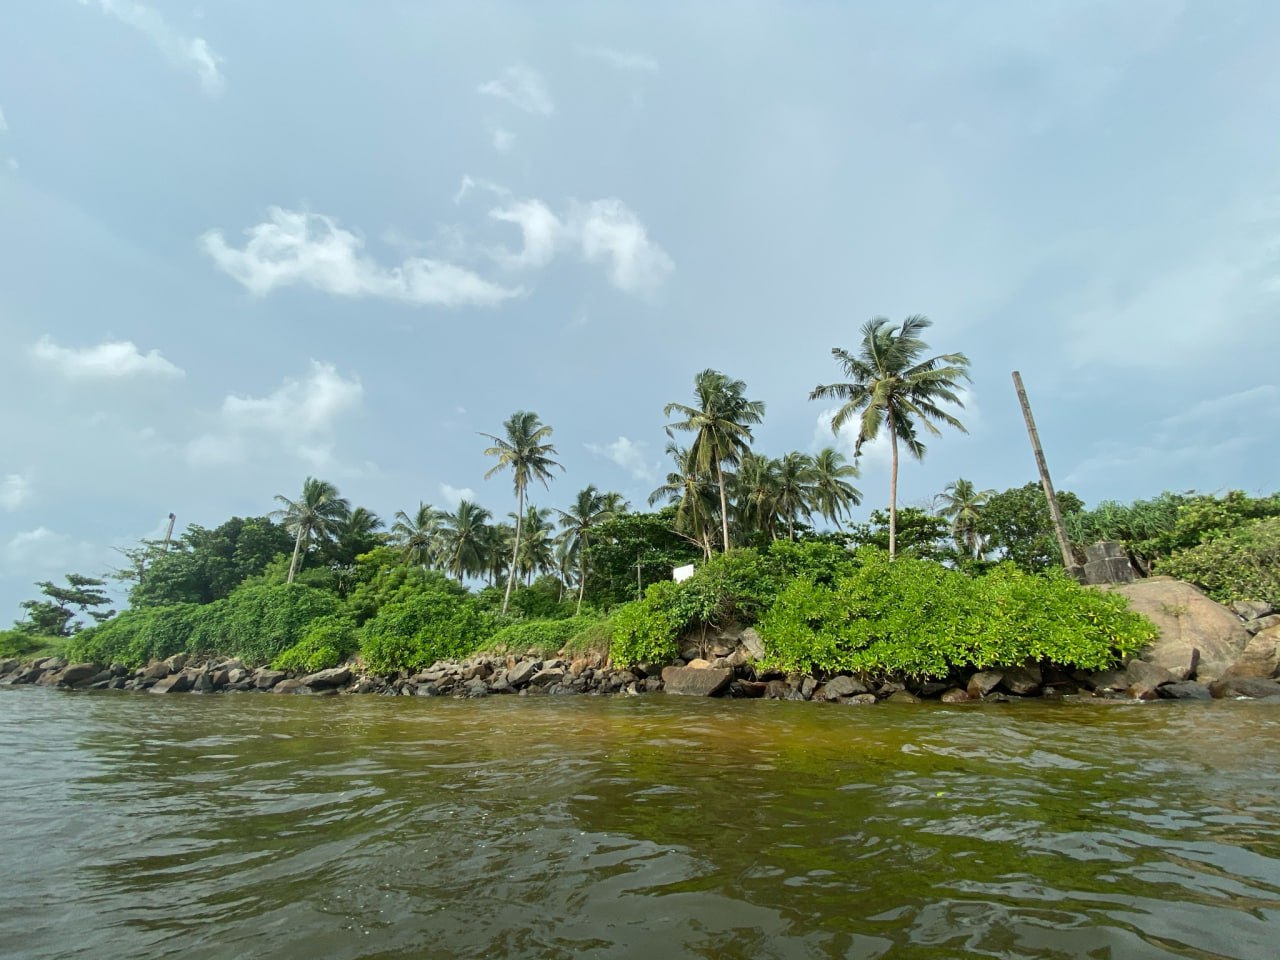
{"x":697,"y":663}
{"x":1106,"y":680}
{"x":903,"y":696}
{"x":1199,"y":638}
{"x":522,"y":672}
{"x":1023,"y":681}
{"x":203,"y":683}
{"x":752,"y":643}
{"x":546,"y":677}
{"x":983,"y":682}
{"x":843,"y":687}
{"x":862,"y":699}
{"x":333,"y":677}
{"x":50,"y":663}
{"x":1185,"y":690}
{"x":1244,"y":687}
{"x":176,"y":662}
{"x":778,"y":690}
{"x":1262,"y":623}
{"x":955,"y":695}
{"x":1140,"y":673}
{"x":932,"y":688}
{"x":156,"y":670}
{"x":1260,"y":657}
{"x":1251,"y":609}
{"x":290,"y":686}
{"x":76,"y":673}
{"x":173,"y":683}
{"x":687,"y":682}
{"x":265,"y":679}
{"x":9,"y":665}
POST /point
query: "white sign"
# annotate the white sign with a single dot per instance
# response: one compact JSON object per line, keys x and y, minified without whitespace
{"x":681,"y":574}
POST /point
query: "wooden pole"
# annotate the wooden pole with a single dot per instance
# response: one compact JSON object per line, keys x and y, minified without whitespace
{"x":1055,"y":512}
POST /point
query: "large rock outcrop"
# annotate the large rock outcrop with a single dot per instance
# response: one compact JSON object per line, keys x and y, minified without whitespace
{"x":1198,"y":637}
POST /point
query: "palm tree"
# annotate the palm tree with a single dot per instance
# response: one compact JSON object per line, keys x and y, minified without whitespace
{"x":497,"y":551}
{"x":721,"y":424}
{"x":463,"y":539}
{"x":694,"y":498}
{"x":794,"y":476}
{"x":589,"y":508}
{"x":416,"y":534}
{"x":961,"y":502}
{"x":358,"y":534}
{"x":536,"y":553}
{"x":316,"y":515}
{"x":756,"y":493}
{"x":526,"y":451}
{"x":889,"y":383}
{"x":830,"y":493}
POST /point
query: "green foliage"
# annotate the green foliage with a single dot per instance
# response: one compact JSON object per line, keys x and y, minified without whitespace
{"x":382,"y":578}
{"x":30,"y":646}
{"x":1243,"y":564}
{"x":594,"y":637}
{"x":646,"y":630}
{"x":544,"y":636}
{"x":916,"y":618}
{"x":139,"y":635}
{"x":619,"y":543}
{"x":434,"y":623}
{"x":545,"y":598}
{"x":919,"y":533}
{"x":55,"y":615}
{"x":1016,"y":525}
{"x":325,"y":643}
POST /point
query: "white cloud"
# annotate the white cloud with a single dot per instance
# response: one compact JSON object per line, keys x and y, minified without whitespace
{"x":619,"y":59}
{"x":301,"y":416}
{"x":631,"y":455}
{"x":111,"y":360}
{"x":42,"y":551}
{"x":192,"y":54}
{"x":4,"y":127}
{"x":1255,"y":402}
{"x":541,"y":229}
{"x":455,"y":495}
{"x":503,"y":140}
{"x":523,"y":88}
{"x":875,"y":453}
{"x":609,"y":230}
{"x":294,"y":247}
{"x":15,"y":490}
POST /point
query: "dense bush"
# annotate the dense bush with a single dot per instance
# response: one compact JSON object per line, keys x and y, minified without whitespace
{"x":646,"y":630}
{"x":431,"y":625}
{"x":29,"y":646}
{"x":916,"y":618}
{"x":544,"y":636}
{"x":325,"y":643}
{"x":139,"y":635}
{"x":1243,"y":564}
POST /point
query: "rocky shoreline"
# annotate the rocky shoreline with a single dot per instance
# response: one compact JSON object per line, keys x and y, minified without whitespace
{"x":1205,"y":651}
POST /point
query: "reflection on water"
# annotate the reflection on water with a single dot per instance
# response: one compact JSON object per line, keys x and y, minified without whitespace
{"x":650,"y":827}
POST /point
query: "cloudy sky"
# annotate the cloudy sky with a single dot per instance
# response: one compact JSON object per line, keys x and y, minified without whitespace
{"x":243,"y":243}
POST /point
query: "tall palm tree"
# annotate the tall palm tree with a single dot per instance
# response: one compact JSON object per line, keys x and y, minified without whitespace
{"x":358,"y":534}
{"x":961,"y":502}
{"x":756,"y":495}
{"x":693,"y":495}
{"x":890,"y":384}
{"x":498,"y":538}
{"x":830,"y":493}
{"x":527,"y":453}
{"x":416,"y":534}
{"x":794,"y":477}
{"x":721,"y":424}
{"x":462,"y":540}
{"x":589,"y":508}
{"x":536,"y":553}
{"x":317,"y":515}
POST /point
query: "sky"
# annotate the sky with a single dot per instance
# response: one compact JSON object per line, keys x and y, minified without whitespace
{"x":246,"y":243}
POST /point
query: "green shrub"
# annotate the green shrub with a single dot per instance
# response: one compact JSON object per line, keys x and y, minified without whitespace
{"x":545,"y":636}
{"x":431,"y":625}
{"x":31,"y":646}
{"x":139,"y":635}
{"x":919,"y":619}
{"x":325,"y":643}
{"x":646,"y":631}
{"x":593,"y":638}
{"x":1243,"y":564}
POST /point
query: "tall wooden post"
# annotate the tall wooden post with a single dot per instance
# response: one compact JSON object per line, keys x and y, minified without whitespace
{"x":1055,"y":512}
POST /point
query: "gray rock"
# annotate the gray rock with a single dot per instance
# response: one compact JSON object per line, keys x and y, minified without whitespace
{"x":1106,"y":680}
{"x":546,"y":677}
{"x":203,"y":683}
{"x":50,"y":663}
{"x":983,"y":682}
{"x":364,"y":685}
{"x":77,"y":673}
{"x":778,"y":690}
{"x":265,"y":679}
{"x":686,"y":682}
{"x":862,"y":700}
{"x":290,"y":686}
{"x":173,"y":683}
{"x":428,"y":690}
{"x":333,"y":677}
{"x":807,"y":686}
{"x":955,"y":695}
{"x":902,"y":696}
{"x":9,"y":666}
{"x":1022,"y":681}
{"x":1251,"y":609}
{"x":843,"y":687}
{"x":932,"y":688}
{"x":235,"y":663}
{"x":1199,"y":638}
{"x":236,"y":675}
{"x":1260,"y":657}
{"x":1262,"y":623}
{"x":1185,"y":690}
{"x":1244,"y":687}
{"x":1140,"y":673}
{"x":523,"y":672}
{"x":177,"y":662}
{"x":752,"y":643}
{"x":156,"y":670}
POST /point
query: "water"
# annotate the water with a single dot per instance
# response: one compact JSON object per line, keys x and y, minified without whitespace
{"x":294,"y":827}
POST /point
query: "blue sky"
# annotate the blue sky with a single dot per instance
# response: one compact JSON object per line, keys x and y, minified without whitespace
{"x":243,"y":243}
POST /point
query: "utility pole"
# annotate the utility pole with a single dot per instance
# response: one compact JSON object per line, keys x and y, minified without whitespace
{"x":1055,"y":512}
{"x":168,"y":534}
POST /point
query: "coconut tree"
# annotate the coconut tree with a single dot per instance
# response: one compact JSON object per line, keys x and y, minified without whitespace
{"x":588,"y":509}
{"x":525,"y":451}
{"x":357,"y":534}
{"x":794,"y":473}
{"x":462,"y":539}
{"x":497,"y":551}
{"x":537,"y":549}
{"x":755,"y":486}
{"x":416,"y":534}
{"x":961,"y":502}
{"x":694,"y":496}
{"x":720,"y":421}
{"x":317,"y":515}
{"x":891,"y":384}
{"x":830,"y":492}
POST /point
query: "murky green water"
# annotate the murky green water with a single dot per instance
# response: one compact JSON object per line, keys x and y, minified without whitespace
{"x":291,"y":827}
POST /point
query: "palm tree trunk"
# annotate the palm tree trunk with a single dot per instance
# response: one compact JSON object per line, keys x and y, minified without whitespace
{"x":515,"y":551}
{"x":297,"y":548}
{"x":724,"y":506}
{"x":893,"y":489}
{"x":582,"y":573}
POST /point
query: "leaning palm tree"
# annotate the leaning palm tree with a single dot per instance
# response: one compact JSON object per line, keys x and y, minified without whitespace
{"x":589,"y":508}
{"x":830,"y":493}
{"x":315,"y":516}
{"x":416,"y":534}
{"x":462,"y":540}
{"x":890,"y":384}
{"x":527,"y":453}
{"x":961,"y":502}
{"x":721,"y":424}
